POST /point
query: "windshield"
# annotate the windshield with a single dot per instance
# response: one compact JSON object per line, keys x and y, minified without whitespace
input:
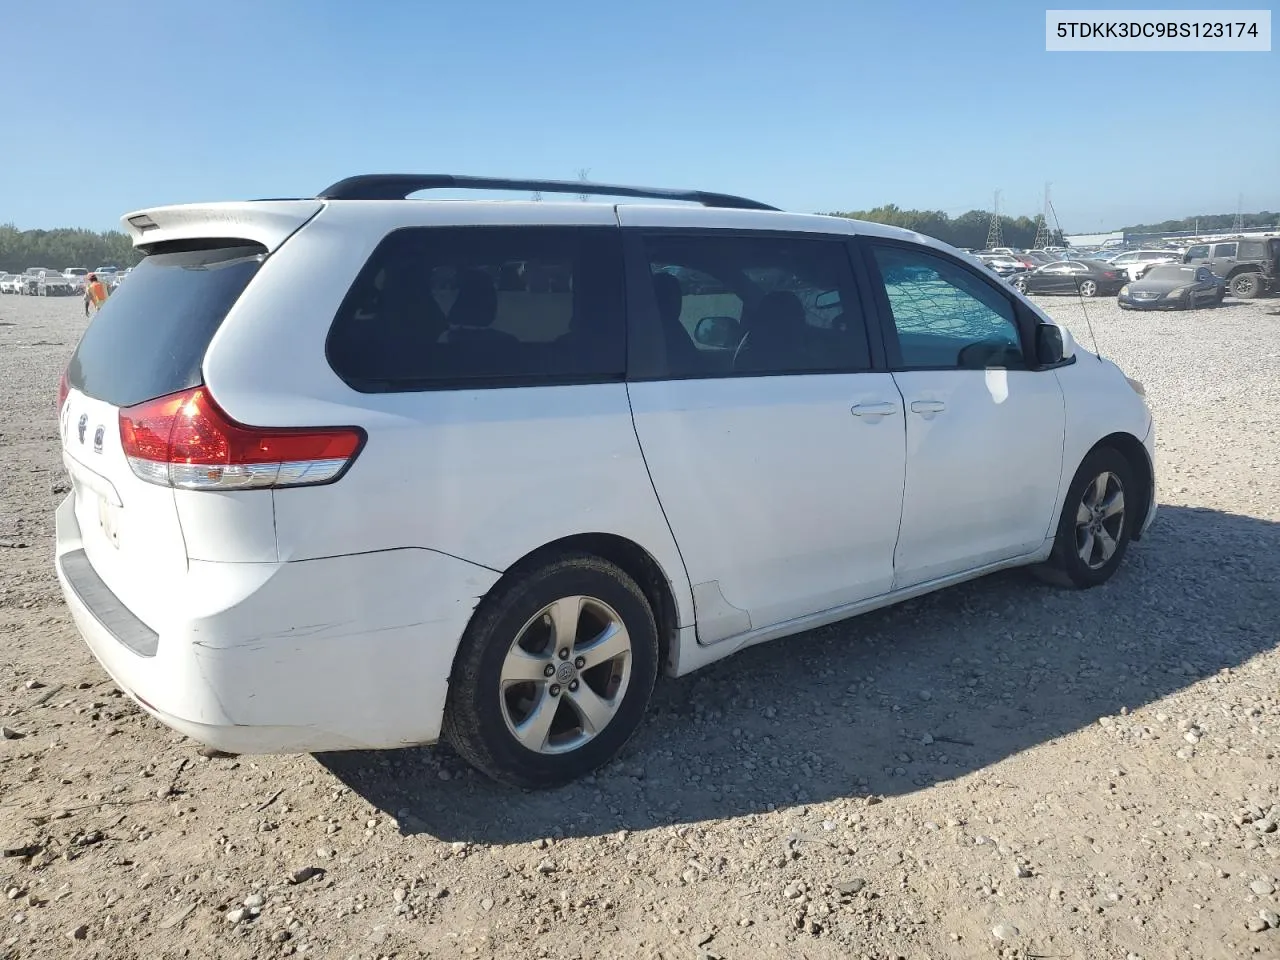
{"x":1170,"y":271}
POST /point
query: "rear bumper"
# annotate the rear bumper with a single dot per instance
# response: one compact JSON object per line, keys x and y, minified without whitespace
{"x":334,"y":654}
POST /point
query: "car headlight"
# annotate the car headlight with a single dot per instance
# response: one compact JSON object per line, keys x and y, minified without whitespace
{"x":1177,"y":291}
{"x":1124,"y":290}
{"x":1138,"y":388}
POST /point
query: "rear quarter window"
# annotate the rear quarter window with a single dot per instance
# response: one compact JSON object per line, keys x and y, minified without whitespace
{"x":150,"y":337}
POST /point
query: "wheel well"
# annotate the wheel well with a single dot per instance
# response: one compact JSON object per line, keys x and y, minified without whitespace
{"x":1131,"y":448}
{"x":635,"y":561}
{"x":1239,"y":270}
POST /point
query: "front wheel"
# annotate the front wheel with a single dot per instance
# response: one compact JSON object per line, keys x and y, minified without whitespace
{"x":1096,"y":522}
{"x":1088,"y":288}
{"x":554,"y":673}
{"x":1020,"y":284}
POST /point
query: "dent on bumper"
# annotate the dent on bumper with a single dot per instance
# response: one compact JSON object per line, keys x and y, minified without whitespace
{"x":334,"y":654}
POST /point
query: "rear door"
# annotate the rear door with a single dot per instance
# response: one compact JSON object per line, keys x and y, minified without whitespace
{"x":776,"y":451}
{"x":149,"y":341}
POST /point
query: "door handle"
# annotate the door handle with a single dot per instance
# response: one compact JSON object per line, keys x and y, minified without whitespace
{"x":927,"y":406}
{"x":874,"y":409}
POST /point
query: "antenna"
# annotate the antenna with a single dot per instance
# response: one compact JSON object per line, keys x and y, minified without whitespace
{"x":1237,"y":225}
{"x":1057,"y":224}
{"x":994,"y":237}
{"x":1044,"y":237}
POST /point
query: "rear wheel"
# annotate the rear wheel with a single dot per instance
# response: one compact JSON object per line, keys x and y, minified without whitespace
{"x":1246,"y":286}
{"x":1020,"y":284}
{"x":554,"y":673}
{"x":1096,"y":522}
{"x":1088,"y":288}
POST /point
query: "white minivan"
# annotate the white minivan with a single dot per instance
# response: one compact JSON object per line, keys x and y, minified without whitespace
{"x":361,"y":471}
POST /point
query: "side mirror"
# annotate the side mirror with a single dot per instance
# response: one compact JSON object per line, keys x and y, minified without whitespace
{"x":1053,"y":344}
{"x":720,"y":332}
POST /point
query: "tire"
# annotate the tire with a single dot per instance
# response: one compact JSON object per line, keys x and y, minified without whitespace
{"x":513,"y":632}
{"x":1066,"y":565}
{"x":1020,"y":284}
{"x":1088,"y":288}
{"x":1246,"y":286}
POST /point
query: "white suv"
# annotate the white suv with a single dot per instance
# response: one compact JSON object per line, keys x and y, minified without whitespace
{"x":1137,"y":262}
{"x":362,"y":472}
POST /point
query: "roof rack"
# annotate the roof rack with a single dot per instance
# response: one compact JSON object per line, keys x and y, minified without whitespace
{"x":398,"y":186}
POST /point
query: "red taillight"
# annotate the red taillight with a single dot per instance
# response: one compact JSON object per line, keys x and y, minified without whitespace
{"x":1108,"y":274}
{"x":63,"y":389}
{"x":185,"y":440}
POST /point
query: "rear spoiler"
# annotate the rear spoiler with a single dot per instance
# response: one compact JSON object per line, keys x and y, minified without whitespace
{"x":268,"y":222}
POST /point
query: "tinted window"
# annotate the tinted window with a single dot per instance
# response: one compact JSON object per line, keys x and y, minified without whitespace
{"x":726,"y":305}
{"x":483,"y":306}
{"x":150,"y":337}
{"x":1224,"y":250}
{"x":1252,"y":250}
{"x":1198,"y":252}
{"x":944,"y":315}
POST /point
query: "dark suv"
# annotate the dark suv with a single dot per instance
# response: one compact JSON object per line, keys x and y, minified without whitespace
{"x":1249,"y":265}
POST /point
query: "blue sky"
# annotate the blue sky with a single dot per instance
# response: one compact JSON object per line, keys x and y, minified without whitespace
{"x":810,"y":106}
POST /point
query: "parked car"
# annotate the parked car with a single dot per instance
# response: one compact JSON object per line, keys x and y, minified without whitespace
{"x":1039,"y":258}
{"x":53,"y":284}
{"x":30,"y":284}
{"x":496,"y":518}
{"x":1249,"y":265}
{"x":8,"y":283}
{"x":1173,"y":286}
{"x":1089,"y":278}
{"x":76,"y":276}
{"x":1135,"y":262}
{"x":1004,"y":266}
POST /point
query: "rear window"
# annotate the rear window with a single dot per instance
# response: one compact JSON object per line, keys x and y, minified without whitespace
{"x":150,"y":337}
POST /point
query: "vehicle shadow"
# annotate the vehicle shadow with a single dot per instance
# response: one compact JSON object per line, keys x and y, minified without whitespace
{"x":886,"y":703}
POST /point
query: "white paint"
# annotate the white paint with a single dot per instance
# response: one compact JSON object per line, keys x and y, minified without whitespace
{"x":328,"y":617}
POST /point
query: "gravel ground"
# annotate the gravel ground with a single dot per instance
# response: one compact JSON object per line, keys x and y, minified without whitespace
{"x":1000,"y":769}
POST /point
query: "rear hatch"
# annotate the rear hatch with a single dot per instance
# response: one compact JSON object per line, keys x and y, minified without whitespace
{"x":148,"y":341}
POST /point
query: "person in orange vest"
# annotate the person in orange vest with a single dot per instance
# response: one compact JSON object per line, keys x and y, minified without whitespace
{"x":95,"y":293}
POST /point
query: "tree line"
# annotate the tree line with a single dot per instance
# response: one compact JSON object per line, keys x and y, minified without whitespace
{"x":59,"y":249}
{"x":1210,"y":223}
{"x":970,"y":229}
{"x":967,"y":230}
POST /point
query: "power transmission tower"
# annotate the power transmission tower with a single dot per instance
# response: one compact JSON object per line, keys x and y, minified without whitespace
{"x":994,"y":237}
{"x":583,"y":174}
{"x":1044,"y":237}
{"x":1237,"y":225}
{"x":535,"y":196}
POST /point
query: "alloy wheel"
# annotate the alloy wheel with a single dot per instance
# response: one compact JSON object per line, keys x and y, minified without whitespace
{"x":565,"y":675}
{"x":1100,"y":520}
